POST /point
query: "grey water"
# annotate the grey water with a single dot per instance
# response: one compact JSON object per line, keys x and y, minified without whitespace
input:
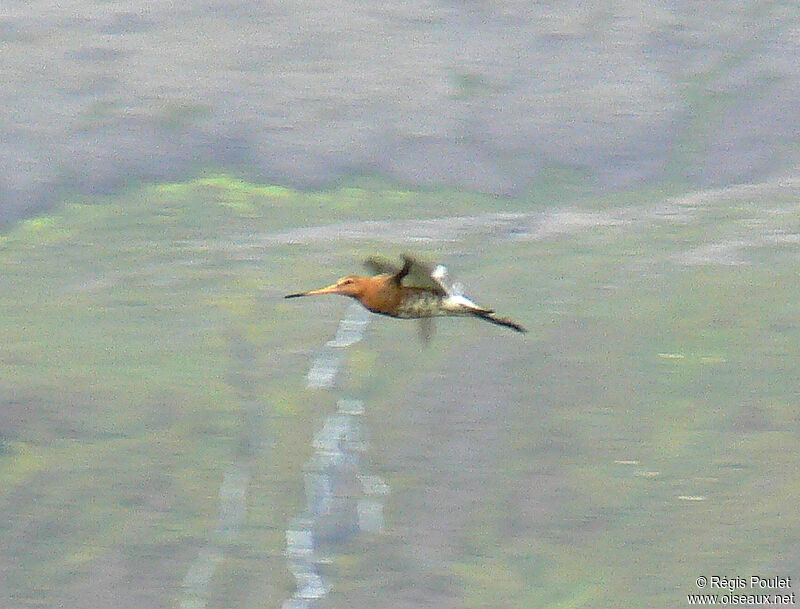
{"x":482,"y":96}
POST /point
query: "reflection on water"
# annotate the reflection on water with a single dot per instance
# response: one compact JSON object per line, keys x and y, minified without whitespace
{"x":340,"y":498}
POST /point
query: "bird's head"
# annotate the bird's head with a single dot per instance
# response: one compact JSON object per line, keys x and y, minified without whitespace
{"x":352,"y":285}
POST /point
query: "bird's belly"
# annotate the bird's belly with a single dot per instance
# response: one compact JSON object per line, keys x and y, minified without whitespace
{"x":421,"y":306}
{"x":432,"y":305}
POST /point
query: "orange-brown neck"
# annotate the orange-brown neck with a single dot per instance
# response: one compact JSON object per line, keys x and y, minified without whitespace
{"x":380,"y":294}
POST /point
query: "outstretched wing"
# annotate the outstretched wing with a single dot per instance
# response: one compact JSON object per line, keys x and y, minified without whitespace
{"x":414,"y":273}
{"x":379,"y":265}
{"x":418,"y":274}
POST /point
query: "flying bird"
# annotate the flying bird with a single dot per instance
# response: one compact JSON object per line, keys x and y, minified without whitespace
{"x":414,"y":291}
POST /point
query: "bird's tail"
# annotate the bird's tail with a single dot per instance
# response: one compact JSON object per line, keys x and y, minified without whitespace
{"x":499,"y":321}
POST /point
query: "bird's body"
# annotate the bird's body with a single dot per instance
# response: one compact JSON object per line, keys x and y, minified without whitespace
{"x":419,"y":302}
{"x":414,"y":291}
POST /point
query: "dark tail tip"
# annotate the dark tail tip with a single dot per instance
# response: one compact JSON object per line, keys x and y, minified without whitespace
{"x":501,"y":321}
{"x":509,"y":324}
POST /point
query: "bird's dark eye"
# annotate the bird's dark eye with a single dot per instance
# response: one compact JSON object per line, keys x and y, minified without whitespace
{"x":347,"y":282}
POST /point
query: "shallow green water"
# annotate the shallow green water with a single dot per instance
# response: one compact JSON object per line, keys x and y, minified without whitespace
{"x":642,"y":434}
